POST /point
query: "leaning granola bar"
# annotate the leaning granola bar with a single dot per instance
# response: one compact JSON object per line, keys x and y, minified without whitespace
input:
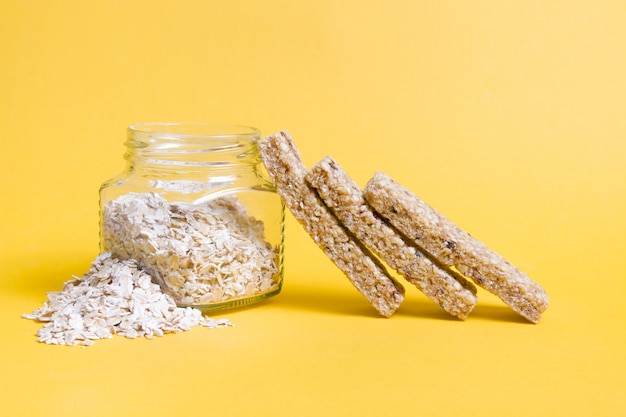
{"x":341,"y":193}
{"x":286,"y":169}
{"x":452,"y":246}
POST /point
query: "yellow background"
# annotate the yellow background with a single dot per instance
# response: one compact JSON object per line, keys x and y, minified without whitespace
{"x":507,"y":116}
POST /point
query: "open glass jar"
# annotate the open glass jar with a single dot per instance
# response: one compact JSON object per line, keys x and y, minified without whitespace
{"x":196,"y":210}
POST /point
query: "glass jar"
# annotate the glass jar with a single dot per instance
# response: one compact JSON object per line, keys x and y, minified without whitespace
{"x":195,"y":208}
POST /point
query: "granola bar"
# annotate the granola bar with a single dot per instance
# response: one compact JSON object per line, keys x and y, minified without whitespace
{"x":286,"y":169}
{"x":452,"y":246}
{"x":454,"y":294}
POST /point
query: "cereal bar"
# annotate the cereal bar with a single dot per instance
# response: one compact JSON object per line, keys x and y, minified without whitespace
{"x":285,"y":167}
{"x":454,"y":294}
{"x":452,"y":246}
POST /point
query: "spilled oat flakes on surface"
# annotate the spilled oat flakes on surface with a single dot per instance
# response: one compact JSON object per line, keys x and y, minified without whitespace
{"x":114,"y":297}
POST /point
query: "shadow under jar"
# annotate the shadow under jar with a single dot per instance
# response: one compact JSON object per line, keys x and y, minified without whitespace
{"x":196,"y":210}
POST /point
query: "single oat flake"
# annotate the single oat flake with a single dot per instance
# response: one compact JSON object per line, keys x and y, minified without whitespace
{"x":114,"y":297}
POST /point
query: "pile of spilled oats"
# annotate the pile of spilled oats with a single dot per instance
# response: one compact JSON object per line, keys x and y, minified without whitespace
{"x":158,"y":256}
{"x":114,"y":297}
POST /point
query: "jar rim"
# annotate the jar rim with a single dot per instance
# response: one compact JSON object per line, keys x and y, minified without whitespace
{"x":193,"y":130}
{"x":192,"y":144}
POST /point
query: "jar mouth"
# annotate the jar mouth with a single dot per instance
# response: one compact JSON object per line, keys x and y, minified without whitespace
{"x":178,"y":142}
{"x":192,"y":129}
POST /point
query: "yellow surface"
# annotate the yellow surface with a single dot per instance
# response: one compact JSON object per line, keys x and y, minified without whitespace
{"x":507,"y":116}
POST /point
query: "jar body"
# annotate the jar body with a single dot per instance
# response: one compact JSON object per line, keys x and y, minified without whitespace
{"x":196,"y":211}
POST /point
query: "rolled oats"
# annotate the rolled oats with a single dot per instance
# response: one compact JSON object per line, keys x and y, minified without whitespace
{"x":204,"y":253}
{"x":114,"y":297}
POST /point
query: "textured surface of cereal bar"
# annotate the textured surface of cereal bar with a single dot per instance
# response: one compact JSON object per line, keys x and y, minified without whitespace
{"x":286,"y":169}
{"x":451,"y":245}
{"x":345,"y":198}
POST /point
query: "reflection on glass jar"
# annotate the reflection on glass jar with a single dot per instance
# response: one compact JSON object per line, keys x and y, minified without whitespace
{"x":195,"y":208}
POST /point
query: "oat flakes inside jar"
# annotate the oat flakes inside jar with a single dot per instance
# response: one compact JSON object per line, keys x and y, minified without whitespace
{"x":197,"y":211}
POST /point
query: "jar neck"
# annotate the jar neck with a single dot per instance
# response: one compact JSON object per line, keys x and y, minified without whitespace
{"x":193,"y":158}
{"x":182,"y":147}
